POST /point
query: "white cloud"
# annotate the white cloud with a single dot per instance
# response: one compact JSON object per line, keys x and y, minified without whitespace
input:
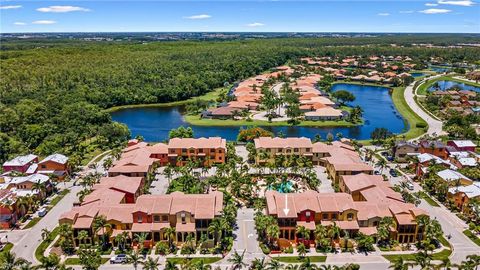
{"x":383,"y":14}
{"x":255,"y":24}
{"x":435,"y":11}
{"x":61,"y":9}
{"x":19,"y":23}
{"x":406,"y":11}
{"x":198,"y":17}
{"x":465,"y":3}
{"x":431,"y":4}
{"x":44,"y":22}
{"x":10,"y":7}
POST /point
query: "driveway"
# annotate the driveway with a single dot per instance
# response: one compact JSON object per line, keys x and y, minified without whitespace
{"x":325,"y":183}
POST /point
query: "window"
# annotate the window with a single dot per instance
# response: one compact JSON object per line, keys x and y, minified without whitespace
{"x":325,"y":216}
{"x":212,"y":150}
{"x":308,"y":150}
{"x":200,"y":150}
{"x":164,"y":218}
{"x":184,"y":219}
{"x":139,"y":218}
{"x":334,"y":216}
{"x":43,"y":166}
{"x":156,"y":218}
{"x":349,"y":216}
{"x":184,"y":150}
{"x":295,"y":150}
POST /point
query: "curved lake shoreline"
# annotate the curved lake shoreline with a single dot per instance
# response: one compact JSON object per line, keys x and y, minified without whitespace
{"x":154,"y":122}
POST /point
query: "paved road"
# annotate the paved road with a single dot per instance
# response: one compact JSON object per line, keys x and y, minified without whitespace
{"x":434,"y":126}
{"x":25,"y":246}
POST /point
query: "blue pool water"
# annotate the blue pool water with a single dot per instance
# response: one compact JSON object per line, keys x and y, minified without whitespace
{"x":155,"y":123}
{"x":444,"y":85}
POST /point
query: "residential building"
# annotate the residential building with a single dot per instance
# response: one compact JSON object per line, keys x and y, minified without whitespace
{"x":20,"y":163}
{"x":189,"y":214}
{"x":462,"y":196}
{"x":8,"y":209}
{"x":454,"y":178}
{"x":55,"y":164}
{"x":345,"y":162}
{"x":403,"y":150}
{"x":136,"y":162}
{"x":435,"y":148}
{"x":207,"y":151}
{"x":269,"y":148}
{"x":462,"y":145}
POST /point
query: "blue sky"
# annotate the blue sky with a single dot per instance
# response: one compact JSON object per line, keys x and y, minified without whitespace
{"x":455,"y":16}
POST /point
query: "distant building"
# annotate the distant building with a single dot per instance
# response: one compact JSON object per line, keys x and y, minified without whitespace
{"x":462,"y":145}
{"x":401,"y":150}
{"x":20,"y":163}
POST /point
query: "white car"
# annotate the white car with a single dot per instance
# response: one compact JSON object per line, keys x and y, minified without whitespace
{"x":120,"y":258}
{"x":409,"y":185}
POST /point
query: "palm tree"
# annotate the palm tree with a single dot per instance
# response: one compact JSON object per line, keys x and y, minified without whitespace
{"x":170,"y":235}
{"x":121,"y":239}
{"x":45,"y":233}
{"x":50,"y":263}
{"x":292,"y":267}
{"x":134,"y":258}
{"x":274,"y":265}
{"x":100,"y":223}
{"x":447,"y":264}
{"x":273,"y":232}
{"x":399,"y":264}
{"x":303,"y":232}
{"x":41,"y":188}
{"x":202,"y":266}
{"x":381,"y":163}
{"x":150,"y":264}
{"x":26,"y":266}
{"x":215,"y":228}
{"x":171,"y":265}
{"x":320,"y":234}
{"x":307,"y":265}
{"x":141,"y":238}
{"x":82,"y":236}
{"x":258,"y":264}
{"x":237,"y":260}
{"x":302,"y":250}
{"x":10,"y":261}
{"x":474,"y":260}
{"x":23,"y":205}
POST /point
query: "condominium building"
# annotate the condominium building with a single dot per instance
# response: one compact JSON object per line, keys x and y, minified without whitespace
{"x":207,"y":151}
{"x":268,"y":148}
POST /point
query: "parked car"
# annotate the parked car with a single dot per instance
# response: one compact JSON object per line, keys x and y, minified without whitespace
{"x":376,"y":172}
{"x":393,"y":172}
{"x":409,"y":185}
{"x":384,"y":153}
{"x":42,"y":212}
{"x":120,"y":258}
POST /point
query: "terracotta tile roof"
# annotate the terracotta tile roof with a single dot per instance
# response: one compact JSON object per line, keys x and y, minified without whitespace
{"x":368,"y":230}
{"x":307,"y":225}
{"x":120,"y":183}
{"x":325,"y":111}
{"x":121,"y":213}
{"x":141,"y":227}
{"x":138,"y":160}
{"x":361,"y":181}
{"x":291,"y":142}
{"x":187,"y":227}
{"x":158,"y":148}
{"x":211,"y":142}
{"x":83,"y":223}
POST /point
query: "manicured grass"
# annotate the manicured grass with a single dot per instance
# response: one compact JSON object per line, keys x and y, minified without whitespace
{"x":444,"y":254}
{"x":43,"y":246}
{"x":291,"y":259}
{"x":212,"y":95}
{"x":32,"y":222}
{"x":408,"y":114}
{"x":472,"y":237}
{"x":76,"y":261}
{"x":198,"y":121}
{"x":6,"y":249}
{"x":206,"y":260}
{"x":59,"y":197}
{"x":428,"y":199}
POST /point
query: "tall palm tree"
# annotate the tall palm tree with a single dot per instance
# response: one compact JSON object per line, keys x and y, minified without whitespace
{"x":170,"y":235}
{"x":10,"y":262}
{"x":274,"y":265}
{"x":141,"y":238}
{"x":303,"y":232}
{"x":258,"y":264}
{"x":237,"y":260}
{"x":399,"y":264}
{"x":100,"y":223}
{"x":150,"y":264}
{"x":216,"y":228}
{"x":134,"y":258}
{"x":202,"y":266}
{"x":41,"y":188}
{"x":171,"y":265}
{"x":45,"y":233}
{"x":83,"y":236}
{"x":302,"y":250}
{"x":50,"y":263}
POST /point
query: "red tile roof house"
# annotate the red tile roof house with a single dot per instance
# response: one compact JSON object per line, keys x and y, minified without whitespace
{"x":134,"y":163}
{"x":208,"y":151}
{"x":20,"y":163}
{"x":56,"y":164}
{"x":189,"y":214}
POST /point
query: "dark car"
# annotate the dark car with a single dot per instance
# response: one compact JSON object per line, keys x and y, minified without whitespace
{"x":393,"y":172}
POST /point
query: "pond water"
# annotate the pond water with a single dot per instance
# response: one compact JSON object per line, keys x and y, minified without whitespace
{"x":439,"y":69}
{"x":154,"y":123}
{"x":417,"y":74}
{"x":444,"y":85}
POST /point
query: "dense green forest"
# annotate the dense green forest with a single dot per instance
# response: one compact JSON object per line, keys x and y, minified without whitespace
{"x":52,"y":95}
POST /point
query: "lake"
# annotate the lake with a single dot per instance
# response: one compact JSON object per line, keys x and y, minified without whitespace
{"x":417,"y":74}
{"x":444,"y":85}
{"x":154,"y":123}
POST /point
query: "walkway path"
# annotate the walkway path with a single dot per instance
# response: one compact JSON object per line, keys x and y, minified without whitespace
{"x":434,"y":126}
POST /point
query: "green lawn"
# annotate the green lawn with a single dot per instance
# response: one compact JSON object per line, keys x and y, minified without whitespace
{"x":472,"y":237}
{"x":212,"y":95}
{"x":428,"y":199}
{"x":206,"y":260}
{"x":291,"y":259}
{"x":32,"y":222}
{"x":416,"y":123}
{"x":6,"y":249}
{"x":76,"y":261}
{"x":43,"y":246}
{"x":198,"y":121}
{"x":411,"y":257}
